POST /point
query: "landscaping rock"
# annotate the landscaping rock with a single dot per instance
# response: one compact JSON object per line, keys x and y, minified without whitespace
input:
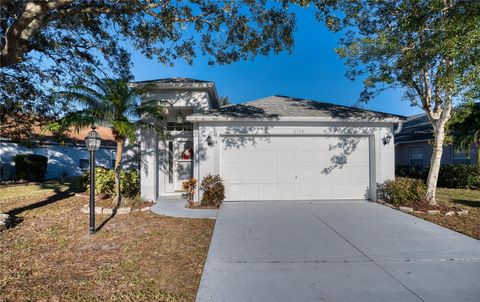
{"x":98,"y":210}
{"x":81,"y":195}
{"x":107,"y":211}
{"x":85,"y":209}
{"x":3,"y":226}
{"x":462,"y":212}
{"x":406,"y":209}
{"x":433,"y":212}
{"x":145,"y":209}
{"x":4,"y":217}
{"x":450,"y":213}
{"x":124,"y":210}
{"x":389,"y":205}
{"x":418,"y":212}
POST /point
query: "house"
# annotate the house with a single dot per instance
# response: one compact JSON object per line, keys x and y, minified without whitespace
{"x":413,"y":146}
{"x":66,"y":158}
{"x":275,"y":148}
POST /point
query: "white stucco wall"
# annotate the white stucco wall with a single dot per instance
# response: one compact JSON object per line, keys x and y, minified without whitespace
{"x":197,"y":99}
{"x":382,"y":163}
{"x":62,"y":160}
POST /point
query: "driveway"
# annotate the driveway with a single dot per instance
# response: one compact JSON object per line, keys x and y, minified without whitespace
{"x":335,"y":251}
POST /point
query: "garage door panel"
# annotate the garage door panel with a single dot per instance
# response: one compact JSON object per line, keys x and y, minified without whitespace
{"x":302,"y":168}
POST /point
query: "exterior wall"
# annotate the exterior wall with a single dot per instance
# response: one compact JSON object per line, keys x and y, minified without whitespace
{"x":207,"y":158}
{"x":197,"y":99}
{"x":63,"y":161}
{"x":402,"y":154}
{"x":154,"y":150}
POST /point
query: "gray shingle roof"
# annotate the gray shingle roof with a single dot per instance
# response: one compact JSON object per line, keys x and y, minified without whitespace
{"x":172,"y":80}
{"x":416,"y":128}
{"x":283,"y":106}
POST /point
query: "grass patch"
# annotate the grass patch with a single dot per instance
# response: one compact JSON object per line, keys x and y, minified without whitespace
{"x":49,"y":255}
{"x":467,"y":199}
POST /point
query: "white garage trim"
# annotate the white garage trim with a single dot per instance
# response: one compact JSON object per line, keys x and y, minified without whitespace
{"x":294,"y":177}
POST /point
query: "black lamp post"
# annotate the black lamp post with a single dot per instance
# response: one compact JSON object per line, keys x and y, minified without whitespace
{"x":92,"y":141}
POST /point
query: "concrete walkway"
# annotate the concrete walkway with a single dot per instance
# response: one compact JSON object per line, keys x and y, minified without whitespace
{"x":335,"y":251}
{"x":174,"y":206}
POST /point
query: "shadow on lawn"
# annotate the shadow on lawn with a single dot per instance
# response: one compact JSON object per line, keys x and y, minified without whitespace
{"x":468,"y":203}
{"x":61,"y":191}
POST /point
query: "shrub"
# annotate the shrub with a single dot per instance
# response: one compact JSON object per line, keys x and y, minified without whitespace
{"x":403,"y":191}
{"x":190,"y":186}
{"x":411,"y":172}
{"x":31,"y":167}
{"x":213,"y":190}
{"x":105,"y":182}
{"x":459,"y":176}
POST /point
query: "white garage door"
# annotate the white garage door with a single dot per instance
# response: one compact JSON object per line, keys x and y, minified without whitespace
{"x":295,"y":168}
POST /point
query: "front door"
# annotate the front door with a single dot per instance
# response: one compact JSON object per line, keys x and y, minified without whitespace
{"x":182,"y":163}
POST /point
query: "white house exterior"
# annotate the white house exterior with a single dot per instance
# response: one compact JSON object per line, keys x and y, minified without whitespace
{"x":276,"y":148}
{"x":70,"y":158}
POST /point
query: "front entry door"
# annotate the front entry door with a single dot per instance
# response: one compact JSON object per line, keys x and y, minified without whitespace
{"x":182,"y":165}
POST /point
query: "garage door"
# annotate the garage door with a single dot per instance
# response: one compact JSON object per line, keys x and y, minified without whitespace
{"x":295,"y":168}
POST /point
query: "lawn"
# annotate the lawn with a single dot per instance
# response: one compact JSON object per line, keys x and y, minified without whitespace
{"x":466,"y":199}
{"x":49,"y":256}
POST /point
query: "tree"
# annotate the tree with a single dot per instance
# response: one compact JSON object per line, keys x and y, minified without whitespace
{"x":430,"y":48}
{"x":114,"y":104}
{"x":48,"y":44}
{"x":464,"y":128}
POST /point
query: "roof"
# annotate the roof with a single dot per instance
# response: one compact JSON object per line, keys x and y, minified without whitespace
{"x":284,"y":107}
{"x":415,"y":128}
{"x":172,"y":80}
{"x":73,"y":136}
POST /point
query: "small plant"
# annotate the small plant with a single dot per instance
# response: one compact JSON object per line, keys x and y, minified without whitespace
{"x":403,"y":191}
{"x":213,"y":190}
{"x":190,"y":186}
{"x":31,"y":167}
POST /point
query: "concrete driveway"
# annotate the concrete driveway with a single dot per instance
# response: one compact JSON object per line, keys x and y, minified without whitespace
{"x":335,"y":251}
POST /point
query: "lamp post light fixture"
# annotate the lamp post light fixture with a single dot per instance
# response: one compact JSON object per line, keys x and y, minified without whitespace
{"x":92,"y":141}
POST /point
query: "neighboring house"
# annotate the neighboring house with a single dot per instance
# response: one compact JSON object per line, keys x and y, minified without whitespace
{"x":413,"y":146}
{"x":276,"y":148}
{"x":67,"y":158}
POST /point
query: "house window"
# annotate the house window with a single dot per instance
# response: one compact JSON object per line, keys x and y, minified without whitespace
{"x":174,"y":126}
{"x":83,"y":164}
{"x":460,"y":157}
{"x":416,"y":157}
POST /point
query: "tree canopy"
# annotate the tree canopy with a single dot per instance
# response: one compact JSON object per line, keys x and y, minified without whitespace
{"x":46,"y":44}
{"x":430,"y":48}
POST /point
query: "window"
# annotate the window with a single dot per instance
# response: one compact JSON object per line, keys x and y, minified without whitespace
{"x":460,"y":157}
{"x":113,"y":163}
{"x":416,"y":157}
{"x":83,"y":164}
{"x":170,"y":162}
{"x":173,"y":126}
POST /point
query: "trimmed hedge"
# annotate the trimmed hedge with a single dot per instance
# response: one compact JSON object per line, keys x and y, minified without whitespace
{"x":458,"y":176}
{"x":31,"y":167}
{"x":402,"y":191}
{"x":105,"y":182}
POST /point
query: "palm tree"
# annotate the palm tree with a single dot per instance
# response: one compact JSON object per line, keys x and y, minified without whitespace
{"x":112,"y":103}
{"x":464,"y":128}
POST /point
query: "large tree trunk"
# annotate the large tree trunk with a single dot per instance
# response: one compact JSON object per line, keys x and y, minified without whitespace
{"x":118,"y":169}
{"x":478,"y":153}
{"x":435,"y":161}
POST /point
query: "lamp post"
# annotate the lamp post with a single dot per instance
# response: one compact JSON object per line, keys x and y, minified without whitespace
{"x":92,"y":141}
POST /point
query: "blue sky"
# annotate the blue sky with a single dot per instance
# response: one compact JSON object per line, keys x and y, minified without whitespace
{"x":313,"y":70}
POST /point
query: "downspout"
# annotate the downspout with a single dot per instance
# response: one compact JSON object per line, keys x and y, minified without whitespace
{"x":398,"y":130}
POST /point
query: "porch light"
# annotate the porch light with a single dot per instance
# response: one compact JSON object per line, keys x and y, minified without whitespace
{"x":386,"y":140}
{"x":209,"y":140}
{"x":92,"y":141}
{"x":180,"y":118}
